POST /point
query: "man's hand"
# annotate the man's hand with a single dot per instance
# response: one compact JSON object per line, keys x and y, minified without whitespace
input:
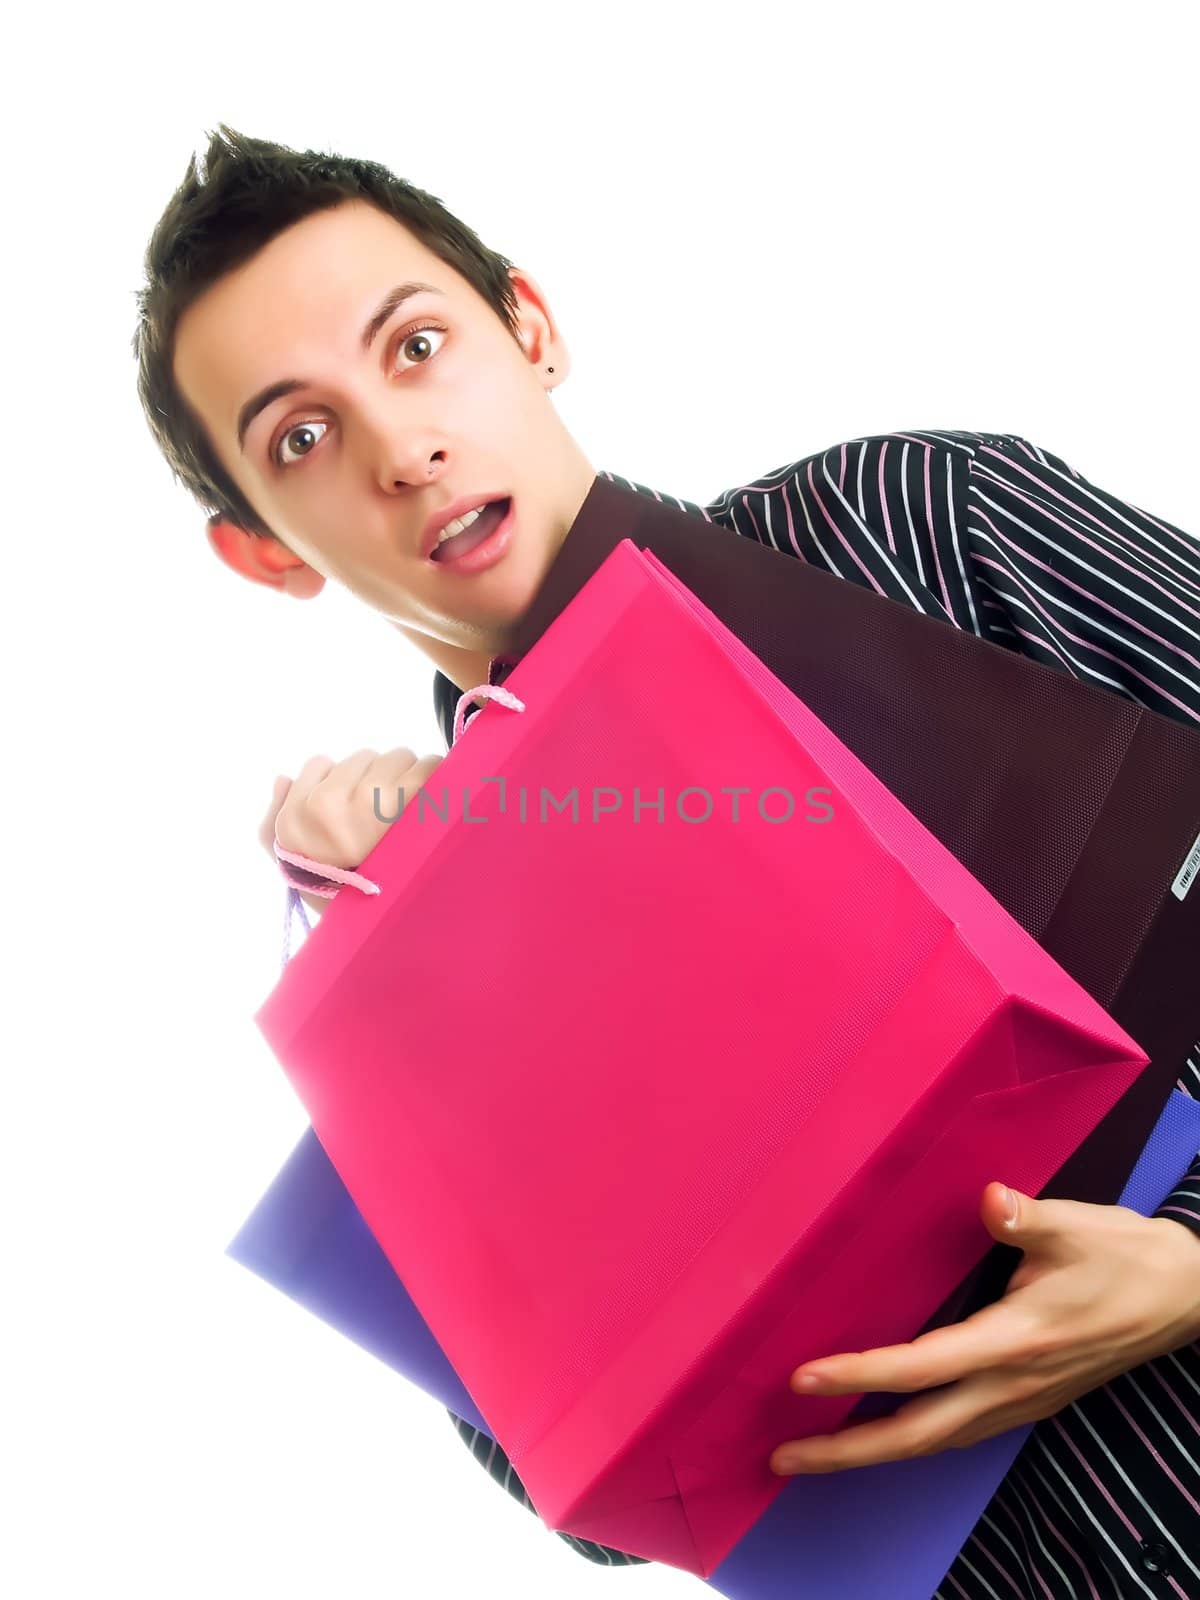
{"x":1100,"y":1290}
{"x":329,"y":813}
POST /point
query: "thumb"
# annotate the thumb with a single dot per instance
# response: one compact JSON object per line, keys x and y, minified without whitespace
{"x":1013,"y":1217}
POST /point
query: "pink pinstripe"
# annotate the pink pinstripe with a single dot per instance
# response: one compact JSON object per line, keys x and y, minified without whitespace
{"x":980,"y":1548}
{"x":1030,"y":1560}
{"x":937,"y":561}
{"x":1061,"y":628}
{"x":1083,"y":1462}
{"x":1188,"y":1416}
{"x":849,"y":548}
{"x":1124,"y":1410}
{"x":1093,"y":517}
{"x":1077,"y":533}
{"x":887,"y":520}
{"x":768,"y":541}
{"x":1069,"y":1547}
{"x":1087,"y":593}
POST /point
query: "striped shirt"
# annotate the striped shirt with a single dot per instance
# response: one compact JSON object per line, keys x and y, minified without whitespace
{"x":1007,"y":541}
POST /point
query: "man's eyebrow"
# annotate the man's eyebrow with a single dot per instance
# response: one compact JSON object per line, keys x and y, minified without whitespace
{"x":387,"y":307}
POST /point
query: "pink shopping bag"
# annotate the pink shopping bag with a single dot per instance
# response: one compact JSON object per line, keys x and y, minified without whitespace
{"x":640,"y":1181}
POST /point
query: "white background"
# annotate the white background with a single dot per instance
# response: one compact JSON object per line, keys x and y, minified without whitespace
{"x":760,"y":237}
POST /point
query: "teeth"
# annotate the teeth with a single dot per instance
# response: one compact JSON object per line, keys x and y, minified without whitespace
{"x":458,"y":525}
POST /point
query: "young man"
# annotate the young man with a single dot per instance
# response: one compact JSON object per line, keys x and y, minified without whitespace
{"x":334,"y":366}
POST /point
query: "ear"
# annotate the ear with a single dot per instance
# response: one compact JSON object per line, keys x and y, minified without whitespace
{"x":538,"y":334}
{"x":262,"y":559}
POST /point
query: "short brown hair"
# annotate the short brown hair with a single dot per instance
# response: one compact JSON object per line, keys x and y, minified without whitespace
{"x":251,"y":190}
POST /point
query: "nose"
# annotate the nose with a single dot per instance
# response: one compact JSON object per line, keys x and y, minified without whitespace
{"x":398,"y":450}
{"x":404,"y":459}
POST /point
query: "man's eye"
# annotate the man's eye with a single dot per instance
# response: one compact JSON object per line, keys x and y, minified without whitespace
{"x":301,"y":429}
{"x":410,"y":333}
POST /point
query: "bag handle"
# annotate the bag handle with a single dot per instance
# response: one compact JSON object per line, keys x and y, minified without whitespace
{"x":335,"y":877}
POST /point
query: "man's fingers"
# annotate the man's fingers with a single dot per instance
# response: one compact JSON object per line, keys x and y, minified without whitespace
{"x":308,"y":777}
{"x":393,"y":766}
{"x":995,"y":1336}
{"x":920,"y":1428}
{"x":1051,"y":1229}
{"x":328,"y":811}
{"x":346,"y":774}
{"x":398,"y":770}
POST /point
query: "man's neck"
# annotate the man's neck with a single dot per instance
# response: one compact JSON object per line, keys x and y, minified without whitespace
{"x":464,"y":668}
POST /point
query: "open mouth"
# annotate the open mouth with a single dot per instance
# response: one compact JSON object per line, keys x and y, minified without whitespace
{"x":488,"y":520}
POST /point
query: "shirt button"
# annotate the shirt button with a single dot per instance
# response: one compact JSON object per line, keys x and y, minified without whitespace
{"x":1155,"y":1556}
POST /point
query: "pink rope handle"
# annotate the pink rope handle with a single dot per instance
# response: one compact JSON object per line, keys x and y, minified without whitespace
{"x":335,"y":877}
{"x":485,"y":691}
{"x":338,"y":875}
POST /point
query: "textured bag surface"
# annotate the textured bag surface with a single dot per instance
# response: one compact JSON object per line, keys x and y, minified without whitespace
{"x":681,"y":1171}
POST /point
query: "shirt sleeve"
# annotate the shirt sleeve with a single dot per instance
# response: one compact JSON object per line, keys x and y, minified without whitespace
{"x":1006,"y":541}
{"x":1078,"y":578}
{"x":491,"y":1457}
{"x":884,"y":512}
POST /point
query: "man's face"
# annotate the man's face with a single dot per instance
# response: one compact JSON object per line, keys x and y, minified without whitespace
{"x":347,"y":469}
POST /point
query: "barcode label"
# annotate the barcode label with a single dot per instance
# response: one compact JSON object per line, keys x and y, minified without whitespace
{"x":1188,"y":872}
